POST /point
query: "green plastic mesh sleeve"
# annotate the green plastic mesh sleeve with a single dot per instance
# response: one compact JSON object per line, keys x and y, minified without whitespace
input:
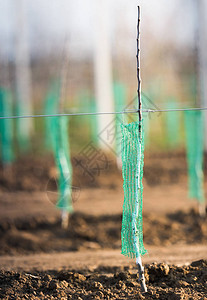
{"x":63,"y":163}
{"x":132,"y":172}
{"x":57,"y":140}
{"x":6,"y":127}
{"x":194,"y":127}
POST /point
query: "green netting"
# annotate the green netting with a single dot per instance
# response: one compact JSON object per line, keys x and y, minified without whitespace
{"x":59,"y":127}
{"x":132,"y":171}
{"x":57,"y":139}
{"x":194,"y":127}
{"x":6,"y":127}
{"x":172,"y":121}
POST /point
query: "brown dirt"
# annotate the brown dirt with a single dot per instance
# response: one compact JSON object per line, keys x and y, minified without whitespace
{"x":32,"y":173}
{"x":163,"y":281}
{"x":84,"y":262}
{"x":96,"y":232}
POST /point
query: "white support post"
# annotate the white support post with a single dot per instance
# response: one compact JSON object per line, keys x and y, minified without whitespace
{"x":23,"y":72}
{"x":63,"y":79}
{"x":103,"y":70}
{"x":201,"y":35}
{"x":201,"y":20}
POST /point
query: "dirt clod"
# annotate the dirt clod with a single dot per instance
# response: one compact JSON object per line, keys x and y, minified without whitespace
{"x":54,"y":285}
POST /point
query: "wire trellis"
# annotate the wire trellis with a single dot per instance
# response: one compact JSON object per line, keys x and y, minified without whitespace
{"x":104,"y":113}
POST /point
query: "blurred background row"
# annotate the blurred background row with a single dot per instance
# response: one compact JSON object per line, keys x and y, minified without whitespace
{"x":79,"y":56}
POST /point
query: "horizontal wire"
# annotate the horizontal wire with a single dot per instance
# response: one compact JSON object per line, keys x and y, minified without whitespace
{"x":104,"y":113}
{"x":69,"y":114}
{"x":176,"y":109}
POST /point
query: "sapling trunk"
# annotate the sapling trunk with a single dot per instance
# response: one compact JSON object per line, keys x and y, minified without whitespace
{"x":138,"y":183}
{"x":64,"y":219}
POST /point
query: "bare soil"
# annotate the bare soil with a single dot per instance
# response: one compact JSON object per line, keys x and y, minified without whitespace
{"x":96,"y":232}
{"x":163,"y":281}
{"x":40,"y":260}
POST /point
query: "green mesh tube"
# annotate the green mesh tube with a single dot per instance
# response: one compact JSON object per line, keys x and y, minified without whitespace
{"x":57,"y":140}
{"x":6,"y":127}
{"x":132,"y":172}
{"x":59,"y":127}
{"x":194,"y":127}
